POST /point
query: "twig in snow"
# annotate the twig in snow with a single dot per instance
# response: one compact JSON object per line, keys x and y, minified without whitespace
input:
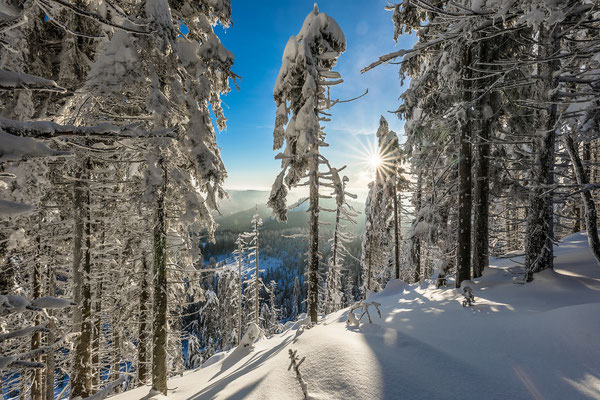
{"x":296,"y":365}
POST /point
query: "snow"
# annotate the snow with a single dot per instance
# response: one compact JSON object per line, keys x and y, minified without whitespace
{"x":518,"y":341}
{"x":15,"y":80}
{"x":14,"y":303}
{"x":12,"y":209}
{"x":17,"y":148}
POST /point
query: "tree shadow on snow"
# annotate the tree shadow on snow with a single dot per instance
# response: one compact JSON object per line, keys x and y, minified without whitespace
{"x":225,"y":376}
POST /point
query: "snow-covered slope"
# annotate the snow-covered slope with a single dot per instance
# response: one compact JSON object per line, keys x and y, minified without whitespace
{"x":538,"y":340}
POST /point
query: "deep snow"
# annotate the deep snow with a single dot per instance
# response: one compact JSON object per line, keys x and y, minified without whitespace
{"x":538,"y":340}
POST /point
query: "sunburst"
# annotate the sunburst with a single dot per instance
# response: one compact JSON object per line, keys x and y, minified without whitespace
{"x":377,"y":163}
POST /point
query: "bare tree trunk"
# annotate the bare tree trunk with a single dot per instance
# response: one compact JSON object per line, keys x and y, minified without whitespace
{"x":116,"y":368}
{"x":591,"y":215}
{"x":256,"y":281}
{"x":143,"y":335}
{"x":329,"y":306}
{"x":81,"y":384}
{"x":313,"y":238}
{"x":370,"y":264}
{"x":396,"y":233}
{"x":239,"y":316}
{"x":416,"y":241}
{"x":159,"y":339}
{"x":50,"y":338}
{"x":539,"y":252}
{"x":37,"y":385}
{"x":463,"y":251}
{"x":97,"y":338}
{"x":490,"y":103}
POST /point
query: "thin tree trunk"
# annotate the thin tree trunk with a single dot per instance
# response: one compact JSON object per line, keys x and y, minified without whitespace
{"x":143,"y":326}
{"x":37,"y":385}
{"x":463,"y":251}
{"x":256,"y":281}
{"x":487,"y":110}
{"x":313,"y":238}
{"x":116,"y":368}
{"x":97,"y":338}
{"x":396,"y":232}
{"x":159,"y":339}
{"x":539,"y":252}
{"x":50,"y":338}
{"x":416,"y":245}
{"x":370,"y":264}
{"x":82,"y":374}
{"x":239,"y":332}
{"x":591,"y":215}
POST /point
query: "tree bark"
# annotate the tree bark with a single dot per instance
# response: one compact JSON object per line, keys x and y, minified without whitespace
{"x":50,"y":338}
{"x":240,"y":294}
{"x":313,"y":238}
{"x":37,"y":384}
{"x":143,"y":326}
{"x":81,"y":384}
{"x":463,"y":251}
{"x":97,"y":338}
{"x":539,"y":252}
{"x":396,"y":233}
{"x":488,"y":107}
{"x":416,"y":241}
{"x":159,"y":339}
{"x":256,"y":281}
{"x":591,"y":216}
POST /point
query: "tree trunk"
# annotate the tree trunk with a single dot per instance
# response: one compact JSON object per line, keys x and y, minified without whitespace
{"x":416,"y":240}
{"x":591,"y":215}
{"x":463,"y":251}
{"x":313,"y":238}
{"x":332,"y":271}
{"x":239,"y":316}
{"x":81,"y":384}
{"x":539,"y":251}
{"x":37,"y":385}
{"x":396,"y":233}
{"x":143,"y":327}
{"x":50,"y":338}
{"x":256,"y":281}
{"x":159,"y":339}
{"x":97,"y":338}
{"x":490,"y":103}
{"x":116,"y":368}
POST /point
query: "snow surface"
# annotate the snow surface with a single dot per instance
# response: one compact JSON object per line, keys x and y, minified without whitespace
{"x":519,"y":341}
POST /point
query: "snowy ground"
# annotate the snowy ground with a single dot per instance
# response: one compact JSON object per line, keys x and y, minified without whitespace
{"x":520,"y":341}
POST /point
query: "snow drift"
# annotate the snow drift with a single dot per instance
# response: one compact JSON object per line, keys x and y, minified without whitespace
{"x":519,"y":341}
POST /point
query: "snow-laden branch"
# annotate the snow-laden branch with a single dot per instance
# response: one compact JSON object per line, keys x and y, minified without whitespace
{"x":10,"y":80}
{"x":96,"y":17}
{"x":48,"y":130}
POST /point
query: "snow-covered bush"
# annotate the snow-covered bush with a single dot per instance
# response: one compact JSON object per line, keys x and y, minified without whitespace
{"x":469,"y":298}
{"x":353,"y":320}
{"x":253,"y":333}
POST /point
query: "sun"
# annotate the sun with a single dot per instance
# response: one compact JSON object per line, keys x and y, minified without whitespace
{"x":374,"y":160}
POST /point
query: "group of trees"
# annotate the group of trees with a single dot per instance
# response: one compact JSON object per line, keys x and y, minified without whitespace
{"x":108,"y":161}
{"x":501,"y":120}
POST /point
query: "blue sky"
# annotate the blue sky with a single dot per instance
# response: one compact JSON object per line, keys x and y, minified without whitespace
{"x":257,"y":38}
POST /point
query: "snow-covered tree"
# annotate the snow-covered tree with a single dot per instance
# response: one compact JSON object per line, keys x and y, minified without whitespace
{"x":302,"y":90}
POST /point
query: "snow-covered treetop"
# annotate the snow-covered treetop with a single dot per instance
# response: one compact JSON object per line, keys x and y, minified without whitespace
{"x":319,"y":43}
{"x":300,"y":89}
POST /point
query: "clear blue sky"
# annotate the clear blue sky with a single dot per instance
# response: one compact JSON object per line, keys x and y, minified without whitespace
{"x":257,"y":38}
